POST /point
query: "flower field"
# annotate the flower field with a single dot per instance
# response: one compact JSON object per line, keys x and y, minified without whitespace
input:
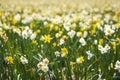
{"x":59,"y":40}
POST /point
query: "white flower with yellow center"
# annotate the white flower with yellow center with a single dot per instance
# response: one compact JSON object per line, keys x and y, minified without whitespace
{"x":43,"y":65}
{"x":108,"y":30}
{"x":117,"y":65}
{"x":46,"y":61}
{"x":57,"y":53}
{"x":103,"y":49}
{"x":45,"y":68}
{"x":23,"y":60}
{"x":40,"y":65}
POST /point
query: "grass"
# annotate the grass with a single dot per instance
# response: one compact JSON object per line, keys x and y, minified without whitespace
{"x":59,"y":40}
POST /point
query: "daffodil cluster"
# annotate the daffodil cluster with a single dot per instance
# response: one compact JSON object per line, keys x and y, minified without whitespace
{"x":59,"y":41}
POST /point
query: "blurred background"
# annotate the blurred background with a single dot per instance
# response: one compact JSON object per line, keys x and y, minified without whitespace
{"x":48,"y":4}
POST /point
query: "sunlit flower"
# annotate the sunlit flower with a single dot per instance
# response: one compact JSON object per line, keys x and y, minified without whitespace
{"x":64,"y":37}
{"x":108,"y":30}
{"x":57,"y":53}
{"x":93,"y":31}
{"x":95,"y":42}
{"x":40,"y":65}
{"x":100,"y":41}
{"x":54,"y":44}
{"x":56,"y":28}
{"x":23,"y":60}
{"x":45,"y":61}
{"x":71,"y":34}
{"x":45,"y":68}
{"x":25,"y":34}
{"x":43,"y":65}
{"x":82,"y":41}
{"x":32,"y":36}
{"x":47,"y":38}
{"x":57,"y":35}
{"x":72,"y":63}
{"x":34,"y":42}
{"x":79,"y":34}
{"x":9,"y":59}
{"x":117,"y":65}
{"x":62,"y":41}
{"x":64,"y":51}
{"x":103,"y":49}
{"x":90,"y":55}
{"x":17,"y":30}
{"x":27,"y":19}
{"x":14,"y":21}
{"x":85,"y":33}
{"x":80,"y":59}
